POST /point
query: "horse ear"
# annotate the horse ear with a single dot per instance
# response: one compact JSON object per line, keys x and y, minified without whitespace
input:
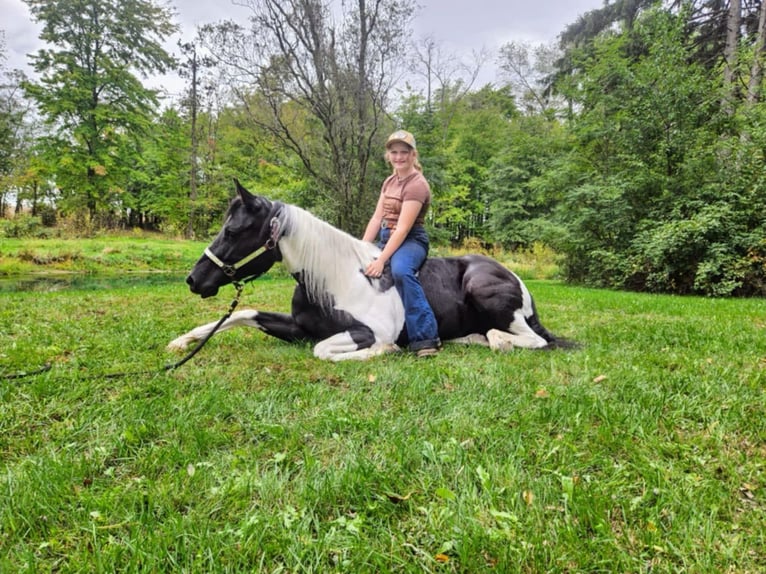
{"x":242,"y":192}
{"x":252,"y":201}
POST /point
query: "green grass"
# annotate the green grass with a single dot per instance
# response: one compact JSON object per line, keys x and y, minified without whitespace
{"x":137,"y":253}
{"x":642,"y":451}
{"x":141,"y":253}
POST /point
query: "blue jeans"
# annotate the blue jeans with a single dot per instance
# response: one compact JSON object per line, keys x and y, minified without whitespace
{"x":422,"y":330}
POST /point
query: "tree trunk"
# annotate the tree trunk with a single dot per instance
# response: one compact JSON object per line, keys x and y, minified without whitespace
{"x":756,"y":70}
{"x":733,"y":22}
{"x":35,"y":188}
{"x":194,"y":146}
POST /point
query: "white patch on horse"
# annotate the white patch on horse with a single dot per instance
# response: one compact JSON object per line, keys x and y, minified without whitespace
{"x":245,"y":318}
{"x":341,"y":347}
{"x":332,"y":264}
{"x":522,"y":335}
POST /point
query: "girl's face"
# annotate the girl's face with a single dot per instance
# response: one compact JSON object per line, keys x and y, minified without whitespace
{"x":401,"y":156}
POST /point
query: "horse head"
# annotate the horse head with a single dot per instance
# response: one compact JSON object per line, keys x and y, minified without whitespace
{"x":251,"y":224}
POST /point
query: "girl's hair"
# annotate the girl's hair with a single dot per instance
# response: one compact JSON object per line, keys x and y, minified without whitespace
{"x":416,"y":164}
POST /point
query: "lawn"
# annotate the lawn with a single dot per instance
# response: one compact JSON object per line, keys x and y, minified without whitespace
{"x":139,"y":252}
{"x":644,"y":450}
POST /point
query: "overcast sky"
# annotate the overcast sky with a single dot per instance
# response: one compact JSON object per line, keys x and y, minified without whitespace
{"x":459,"y":26}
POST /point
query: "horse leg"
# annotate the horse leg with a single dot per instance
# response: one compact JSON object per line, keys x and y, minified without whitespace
{"x":472,"y":339}
{"x":515,"y":333}
{"x":508,"y":303}
{"x":500,"y":340}
{"x":278,"y":325}
{"x":198,"y":333}
{"x":282,"y":326}
{"x":495,"y":339}
{"x":523,"y":335}
{"x":357,"y":342}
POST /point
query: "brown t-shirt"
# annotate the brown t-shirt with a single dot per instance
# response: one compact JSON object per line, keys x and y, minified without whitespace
{"x":412,"y":188}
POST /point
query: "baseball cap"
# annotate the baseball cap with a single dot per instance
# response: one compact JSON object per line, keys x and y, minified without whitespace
{"x":401,"y":136}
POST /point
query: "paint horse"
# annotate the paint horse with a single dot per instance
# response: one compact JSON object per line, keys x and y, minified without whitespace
{"x":346,"y":314}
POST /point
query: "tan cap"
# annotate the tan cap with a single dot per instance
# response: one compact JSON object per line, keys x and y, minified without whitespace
{"x":401,"y":136}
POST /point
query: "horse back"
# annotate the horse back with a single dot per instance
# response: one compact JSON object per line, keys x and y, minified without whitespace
{"x":471,"y":294}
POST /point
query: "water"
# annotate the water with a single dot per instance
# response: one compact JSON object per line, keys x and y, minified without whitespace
{"x":48,"y":283}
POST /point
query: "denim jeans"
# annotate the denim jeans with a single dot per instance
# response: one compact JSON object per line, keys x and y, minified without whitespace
{"x":422,"y":330}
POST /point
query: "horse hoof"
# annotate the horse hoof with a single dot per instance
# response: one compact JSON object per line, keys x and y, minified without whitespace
{"x":500,"y":340}
{"x":179,"y":344}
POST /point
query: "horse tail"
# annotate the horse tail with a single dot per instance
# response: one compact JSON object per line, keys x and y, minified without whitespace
{"x":554,"y":341}
{"x":563,"y":343}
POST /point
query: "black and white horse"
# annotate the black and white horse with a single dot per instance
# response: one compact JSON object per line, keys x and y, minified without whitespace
{"x":345,"y":313}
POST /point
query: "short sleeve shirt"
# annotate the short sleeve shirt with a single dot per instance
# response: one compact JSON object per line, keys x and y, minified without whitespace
{"x":395,"y":192}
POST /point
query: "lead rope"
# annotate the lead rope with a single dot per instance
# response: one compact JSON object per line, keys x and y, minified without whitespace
{"x":239,"y":286}
{"x":169,"y":367}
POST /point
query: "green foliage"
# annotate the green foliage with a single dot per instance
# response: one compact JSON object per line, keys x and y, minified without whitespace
{"x":592,"y":247}
{"x":23,"y":226}
{"x":89,"y":93}
{"x":18,"y":162}
{"x":650,"y":184}
{"x":701,"y":254}
{"x":458,"y":135}
{"x":521,"y":202}
{"x":163,"y":187}
{"x":663,"y":209}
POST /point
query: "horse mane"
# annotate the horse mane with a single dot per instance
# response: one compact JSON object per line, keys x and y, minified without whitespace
{"x":326,"y":257}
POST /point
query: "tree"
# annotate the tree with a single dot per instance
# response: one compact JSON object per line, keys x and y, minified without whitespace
{"x":457,"y":144}
{"x":524,"y":182}
{"x":90,"y":95}
{"x":162,"y":197}
{"x":16,"y":139}
{"x":192,"y":69}
{"x":526,"y":69}
{"x":759,"y":52}
{"x":322,"y":81}
{"x":733,"y":23}
{"x":576,"y":41}
{"x":449,"y":79}
{"x":669,"y":203}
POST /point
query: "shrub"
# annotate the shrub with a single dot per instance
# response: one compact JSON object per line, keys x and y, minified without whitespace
{"x":23,"y":226}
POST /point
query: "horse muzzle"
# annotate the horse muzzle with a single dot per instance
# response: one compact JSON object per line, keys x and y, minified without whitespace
{"x":204,"y":288}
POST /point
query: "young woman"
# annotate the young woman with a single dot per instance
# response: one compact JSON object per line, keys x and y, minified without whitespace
{"x":398,"y":218}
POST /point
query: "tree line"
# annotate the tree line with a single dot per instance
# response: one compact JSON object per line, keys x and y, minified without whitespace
{"x":633,"y":146}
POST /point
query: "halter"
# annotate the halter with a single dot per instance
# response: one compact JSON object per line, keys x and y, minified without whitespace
{"x":231,"y":270}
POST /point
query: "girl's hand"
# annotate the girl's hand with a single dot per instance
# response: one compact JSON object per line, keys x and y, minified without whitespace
{"x":375,"y":268}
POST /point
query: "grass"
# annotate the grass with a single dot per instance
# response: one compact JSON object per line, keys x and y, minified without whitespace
{"x":141,"y":252}
{"x":137,"y":253}
{"x":642,"y":451}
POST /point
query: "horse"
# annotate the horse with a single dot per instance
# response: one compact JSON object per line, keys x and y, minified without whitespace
{"x":335,"y":306}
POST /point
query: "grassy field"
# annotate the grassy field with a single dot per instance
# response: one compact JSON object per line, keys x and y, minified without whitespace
{"x":643,"y":451}
{"x":110,"y":254}
{"x":142,"y":253}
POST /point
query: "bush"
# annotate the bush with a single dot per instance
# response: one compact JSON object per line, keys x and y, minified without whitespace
{"x":23,"y":226}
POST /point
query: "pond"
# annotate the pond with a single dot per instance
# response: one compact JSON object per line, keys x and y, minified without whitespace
{"x":50,"y":282}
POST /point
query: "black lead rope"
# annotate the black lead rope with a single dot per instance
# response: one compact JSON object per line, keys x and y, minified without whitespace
{"x":169,"y":367}
{"x":24,"y":374}
{"x":239,"y":286}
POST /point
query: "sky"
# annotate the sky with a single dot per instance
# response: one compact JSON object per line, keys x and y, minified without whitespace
{"x":460,"y":27}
